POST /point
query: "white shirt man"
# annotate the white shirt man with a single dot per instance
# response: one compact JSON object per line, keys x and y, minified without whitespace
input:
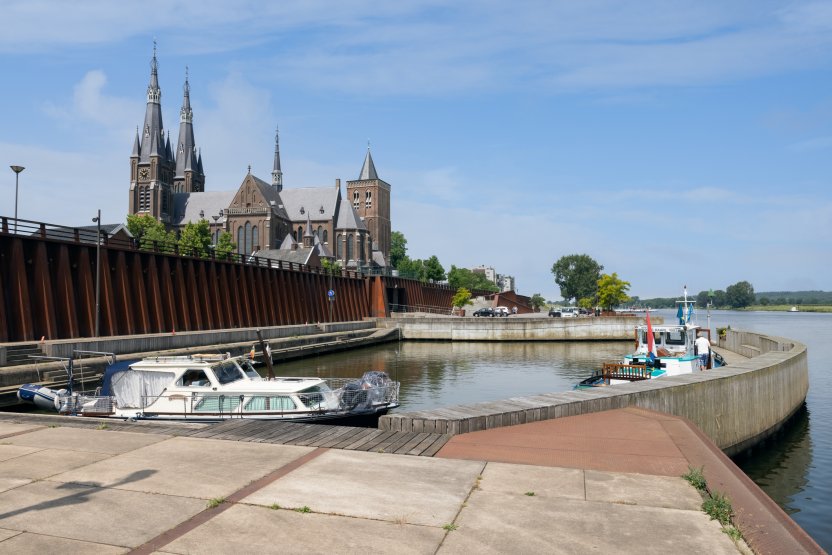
{"x":703,"y":349}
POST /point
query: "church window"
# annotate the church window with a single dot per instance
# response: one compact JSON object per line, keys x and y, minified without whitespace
{"x":248,"y":238}
{"x":326,"y":237}
{"x":368,"y":202}
{"x":240,"y":242}
{"x":356,"y":199}
{"x":361,"y":250}
{"x":217,"y":237}
{"x":255,"y":238}
{"x":349,"y":247}
{"x":144,"y":199}
{"x":320,"y":231}
{"x":299,"y":236}
{"x":164,"y":202}
{"x":339,"y":248}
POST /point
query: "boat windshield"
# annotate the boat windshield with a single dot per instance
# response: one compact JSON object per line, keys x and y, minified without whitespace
{"x":674,"y":337}
{"x":227,"y":373}
{"x":249,"y":370}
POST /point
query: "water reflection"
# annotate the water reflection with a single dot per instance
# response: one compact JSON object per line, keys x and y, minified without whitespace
{"x":434,"y":374}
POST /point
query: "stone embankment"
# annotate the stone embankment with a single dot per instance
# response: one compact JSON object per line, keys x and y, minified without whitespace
{"x":734,"y":406}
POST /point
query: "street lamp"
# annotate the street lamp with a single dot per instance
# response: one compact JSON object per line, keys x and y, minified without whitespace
{"x":97,"y":220}
{"x":16,"y":170}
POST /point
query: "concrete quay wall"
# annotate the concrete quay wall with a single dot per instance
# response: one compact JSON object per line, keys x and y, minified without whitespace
{"x":516,"y":328}
{"x":735,"y":406}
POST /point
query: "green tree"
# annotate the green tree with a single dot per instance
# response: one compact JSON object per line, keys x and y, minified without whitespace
{"x":740,"y":295}
{"x":433,"y":269}
{"x":577,"y":276}
{"x":586,"y":302}
{"x":461,"y":298}
{"x":398,"y":248}
{"x":612,"y":291}
{"x":150,"y":233}
{"x":765,"y":301}
{"x":473,"y":281}
{"x":225,"y":245}
{"x":195,"y":239}
{"x":331,"y":267}
{"x":414,"y":269}
{"x":537,"y":301}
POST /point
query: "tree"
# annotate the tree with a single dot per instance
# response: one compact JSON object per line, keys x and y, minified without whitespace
{"x":398,"y":248}
{"x":195,"y":239}
{"x":537,"y":301}
{"x":719,"y":298}
{"x":331,"y":267}
{"x":150,"y":233}
{"x":577,"y":276}
{"x":433,"y":269}
{"x":612,"y":291}
{"x":414,"y":269}
{"x":740,"y":295}
{"x":765,"y":301}
{"x":461,"y":298}
{"x":473,"y":281}
{"x":225,"y":245}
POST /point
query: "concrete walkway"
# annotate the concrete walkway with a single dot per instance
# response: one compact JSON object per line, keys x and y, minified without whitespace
{"x":103,"y":491}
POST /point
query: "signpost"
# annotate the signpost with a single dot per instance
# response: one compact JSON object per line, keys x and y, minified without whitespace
{"x":331,"y":296}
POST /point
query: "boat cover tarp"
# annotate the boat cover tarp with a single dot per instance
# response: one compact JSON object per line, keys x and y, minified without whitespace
{"x":137,"y":388}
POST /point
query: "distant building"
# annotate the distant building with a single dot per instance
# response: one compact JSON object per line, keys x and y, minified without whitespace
{"x":505,"y":283}
{"x":169,"y":184}
{"x":487,"y":271}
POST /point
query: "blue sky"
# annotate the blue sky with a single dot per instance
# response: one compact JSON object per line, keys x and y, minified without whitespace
{"x":676,"y":142}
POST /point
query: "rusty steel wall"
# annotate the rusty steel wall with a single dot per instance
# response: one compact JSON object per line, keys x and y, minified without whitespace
{"x":47,"y":289}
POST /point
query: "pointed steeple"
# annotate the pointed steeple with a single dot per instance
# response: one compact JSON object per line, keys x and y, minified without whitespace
{"x":368,"y":170}
{"x":136,"y":147}
{"x":152,"y":134}
{"x":308,"y":235}
{"x":185,"y":148}
{"x":277,"y":174}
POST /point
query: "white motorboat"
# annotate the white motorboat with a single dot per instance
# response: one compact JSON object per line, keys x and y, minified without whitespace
{"x":219,"y":387}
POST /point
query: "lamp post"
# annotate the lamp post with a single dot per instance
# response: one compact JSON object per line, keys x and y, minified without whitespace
{"x":97,"y":220}
{"x":16,"y":170}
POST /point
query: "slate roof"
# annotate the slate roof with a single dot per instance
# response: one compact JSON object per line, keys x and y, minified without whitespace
{"x":187,"y":206}
{"x":368,"y":170}
{"x":348,"y":219}
{"x":298,"y":256}
{"x":311,"y":199}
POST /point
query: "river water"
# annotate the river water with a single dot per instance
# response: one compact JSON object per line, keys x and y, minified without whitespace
{"x":794,"y":468}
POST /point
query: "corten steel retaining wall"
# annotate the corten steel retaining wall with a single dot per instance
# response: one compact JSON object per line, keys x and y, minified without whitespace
{"x":735,"y":406}
{"x":518,"y":329}
{"x":47,"y":289}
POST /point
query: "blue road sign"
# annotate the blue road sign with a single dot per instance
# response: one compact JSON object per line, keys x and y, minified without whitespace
{"x":330,"y":293}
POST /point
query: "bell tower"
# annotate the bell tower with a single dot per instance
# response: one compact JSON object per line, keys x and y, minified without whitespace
{"x":370,"y":197}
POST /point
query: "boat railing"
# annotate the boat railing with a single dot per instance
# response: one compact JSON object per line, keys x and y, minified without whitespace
{"x":625,"y":371}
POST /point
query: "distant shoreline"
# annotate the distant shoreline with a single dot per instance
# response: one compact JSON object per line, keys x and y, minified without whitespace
{"x":787,"y":308}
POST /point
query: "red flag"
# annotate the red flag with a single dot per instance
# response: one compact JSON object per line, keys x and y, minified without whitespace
{"x":649,"y":334}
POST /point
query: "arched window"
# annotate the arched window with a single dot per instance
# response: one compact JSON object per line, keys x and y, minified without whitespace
{"x":361,"y":249}
{"x":356,"y":199}
{"x":368,"y":203}
{"x":299,"y":237}
{"x":248,"y":238}
{"x":255,"y":238}
{"x":326,"y":237}
{"x":349,"y":247}
{"x":320,"y":231}
{"x":339,"y":248}
{"x":240,"y":243}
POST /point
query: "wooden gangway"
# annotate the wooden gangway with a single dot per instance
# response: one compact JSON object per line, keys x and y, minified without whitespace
{"x":624,"y":371}
{"x":351,"y":438}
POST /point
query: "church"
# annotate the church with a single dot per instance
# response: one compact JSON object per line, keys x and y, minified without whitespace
{"x":301,"y":225}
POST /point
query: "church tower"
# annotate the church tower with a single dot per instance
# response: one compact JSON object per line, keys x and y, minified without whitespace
{"x":370,"y":197}
{"x":189,"y":177}
{"x":152,"y":165}
{"x":277,"y":175}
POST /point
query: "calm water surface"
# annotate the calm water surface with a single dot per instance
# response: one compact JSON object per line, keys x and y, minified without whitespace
{"x":794,"y":468}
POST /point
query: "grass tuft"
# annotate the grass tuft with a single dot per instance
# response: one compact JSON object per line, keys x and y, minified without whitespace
{"x":274,"y":506}
{"x":696,"y":477}
{"x":215,"y":502}
{"x":303,"y":509}
{"x":718,"y":507}
{"x":450,"y":527}
{"x":103,"y":426}
{"x":530,"y":493}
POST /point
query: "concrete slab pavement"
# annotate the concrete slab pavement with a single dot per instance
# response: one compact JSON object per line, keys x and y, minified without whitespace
{"x":188,"y":467}
{"x":25,"y":543}
{"x":252,"y":529}
{"x":395,"y":488}
{"x":79,"y":439}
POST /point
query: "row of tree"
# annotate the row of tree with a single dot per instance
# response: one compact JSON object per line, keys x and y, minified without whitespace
{"x":580,"y":279}
{"x":738,"y":295}
{"x":195,"y":238}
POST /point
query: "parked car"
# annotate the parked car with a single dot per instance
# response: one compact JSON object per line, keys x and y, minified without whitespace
{"x":484,"y":312}
{"x":569,"y":312}
{"x":554,"y":312}
{"x":501,"y":311}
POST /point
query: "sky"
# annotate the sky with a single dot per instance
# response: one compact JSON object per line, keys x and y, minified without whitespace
{"x":675,"y":142}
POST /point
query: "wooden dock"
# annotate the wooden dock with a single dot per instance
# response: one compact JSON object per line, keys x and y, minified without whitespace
{"x":350,"y":438}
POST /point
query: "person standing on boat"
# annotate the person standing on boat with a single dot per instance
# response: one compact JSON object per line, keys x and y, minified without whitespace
{"x":703,"y":349}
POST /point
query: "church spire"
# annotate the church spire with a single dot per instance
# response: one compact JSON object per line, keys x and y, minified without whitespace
{"x":187,"y":162}
{"x":152,"y":135}
{"x":277,"y":174}
{"x":368,"y":170}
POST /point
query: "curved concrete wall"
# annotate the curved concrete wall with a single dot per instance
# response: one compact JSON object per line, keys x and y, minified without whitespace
{"x":517,"y":329}
{"x":735,"y":406}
